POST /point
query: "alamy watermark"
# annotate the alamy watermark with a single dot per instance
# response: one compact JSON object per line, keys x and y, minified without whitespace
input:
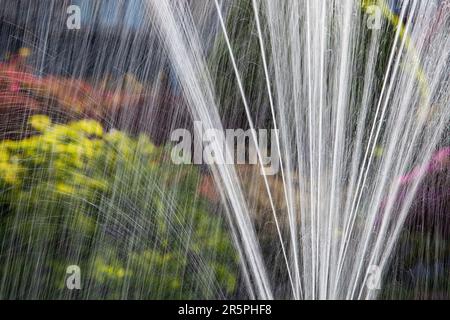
{"x":374,"y":17}
{"x":74,"y":19}
{"x":232,"y":146}
{"x":373,"y":277}
{"x":73,"y":281}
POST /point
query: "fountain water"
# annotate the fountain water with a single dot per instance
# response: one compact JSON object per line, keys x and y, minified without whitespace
{"x":356,"y":108}
{"x":357,"y":95}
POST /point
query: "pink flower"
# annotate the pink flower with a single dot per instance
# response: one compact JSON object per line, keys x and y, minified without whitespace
{"x":14,"y":87}
{"x":438,"y":161}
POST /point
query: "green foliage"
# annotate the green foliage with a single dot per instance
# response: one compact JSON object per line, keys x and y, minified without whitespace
{"x":115,"y":206}
{"x":418,"y":268}
{"x":243,"y":36}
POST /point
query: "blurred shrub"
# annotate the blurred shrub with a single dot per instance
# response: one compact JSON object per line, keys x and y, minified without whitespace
{"x":121,"y":102}
{"x":420,"y":263}
{"x":132,"y":221}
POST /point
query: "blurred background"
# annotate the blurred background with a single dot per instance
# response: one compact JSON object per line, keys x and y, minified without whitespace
{"x":86,"y":177}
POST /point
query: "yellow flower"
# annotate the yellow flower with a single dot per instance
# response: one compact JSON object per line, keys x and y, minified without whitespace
{"x":9,"y":172}
{"x":64,"y":188}
{"x":24,"y":52}
{"x":90,"y":127}
{"x":40,"y":122}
